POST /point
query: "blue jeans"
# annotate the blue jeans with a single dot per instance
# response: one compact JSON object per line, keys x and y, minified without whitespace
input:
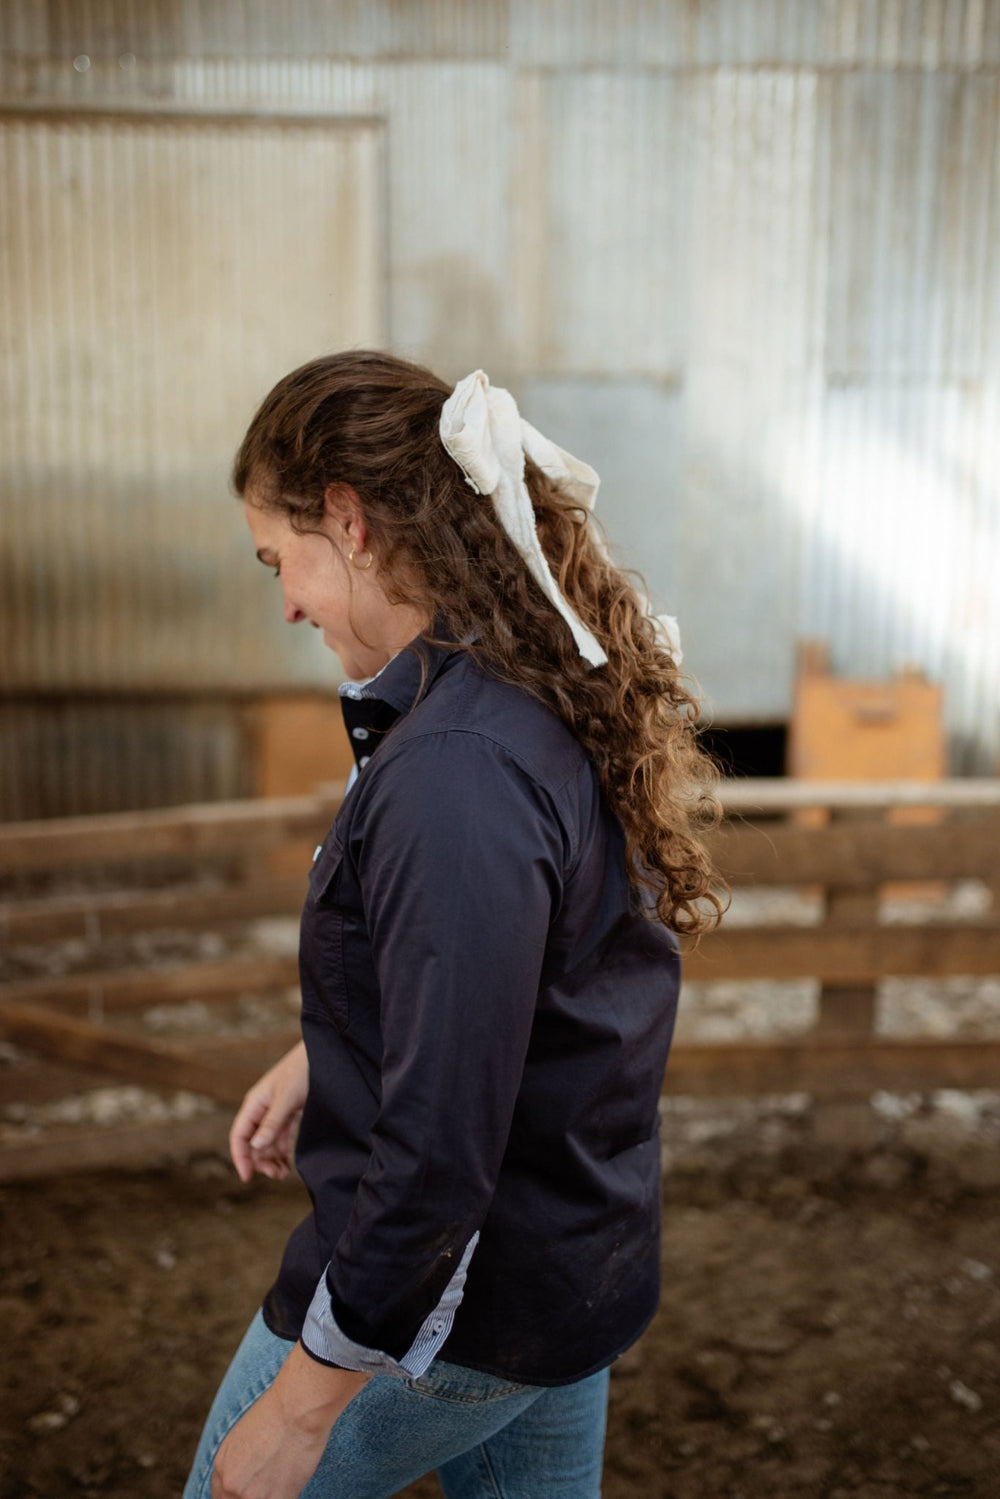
{"x":488,"y":1438}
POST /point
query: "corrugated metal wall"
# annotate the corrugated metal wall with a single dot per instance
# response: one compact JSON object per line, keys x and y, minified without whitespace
{"x":158,"y":273}
{"x":74,"y":755}
{"x":736,"y":254}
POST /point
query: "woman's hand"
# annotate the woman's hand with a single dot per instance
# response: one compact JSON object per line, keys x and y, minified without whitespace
{"x":273,"y":1450}
{"x":262,"y":1136}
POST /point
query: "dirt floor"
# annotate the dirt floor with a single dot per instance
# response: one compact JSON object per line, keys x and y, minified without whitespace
{"x":830,"y":1323}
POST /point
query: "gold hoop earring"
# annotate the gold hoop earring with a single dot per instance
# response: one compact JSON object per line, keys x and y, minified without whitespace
{"x":361,"y":566}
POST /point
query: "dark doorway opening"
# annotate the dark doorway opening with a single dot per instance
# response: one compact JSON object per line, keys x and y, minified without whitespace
{"x":747,"y":749}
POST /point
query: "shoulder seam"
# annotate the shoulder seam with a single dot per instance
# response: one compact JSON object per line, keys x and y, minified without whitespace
{"x":394,"y":751}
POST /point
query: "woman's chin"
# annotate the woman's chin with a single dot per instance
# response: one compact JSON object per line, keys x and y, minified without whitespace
{"x":352,"y":669}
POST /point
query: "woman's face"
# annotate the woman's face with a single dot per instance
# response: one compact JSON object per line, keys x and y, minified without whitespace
{"x":321,"y":585}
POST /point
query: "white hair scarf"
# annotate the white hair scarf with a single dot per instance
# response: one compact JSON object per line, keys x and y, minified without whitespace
{"x":488,"y":439}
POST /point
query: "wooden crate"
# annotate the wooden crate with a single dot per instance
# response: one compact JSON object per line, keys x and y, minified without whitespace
{"x":848,"y":729}
{"x":851,"y":729}
{"x":298,"y":740}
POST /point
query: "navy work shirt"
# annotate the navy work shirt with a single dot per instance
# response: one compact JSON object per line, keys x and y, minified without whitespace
{"x":487,"y":1018}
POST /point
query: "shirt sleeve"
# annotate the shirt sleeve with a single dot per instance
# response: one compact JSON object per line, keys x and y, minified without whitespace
{"x":460,"y":856}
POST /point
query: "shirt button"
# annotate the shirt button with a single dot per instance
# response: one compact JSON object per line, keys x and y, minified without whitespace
{"x":359,"y":733}
{"x":437,"y":1327}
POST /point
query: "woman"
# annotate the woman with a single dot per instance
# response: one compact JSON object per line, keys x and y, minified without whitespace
{"x":488,"y":960}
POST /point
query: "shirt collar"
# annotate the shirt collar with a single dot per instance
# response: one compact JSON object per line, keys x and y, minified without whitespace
{"x":398,"y":681}
{"x":371,"y":707}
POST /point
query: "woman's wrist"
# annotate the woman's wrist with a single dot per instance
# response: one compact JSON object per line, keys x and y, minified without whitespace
{"x":312,"y":1394}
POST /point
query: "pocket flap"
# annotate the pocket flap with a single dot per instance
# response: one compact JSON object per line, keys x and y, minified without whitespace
{"x":325,"y":867}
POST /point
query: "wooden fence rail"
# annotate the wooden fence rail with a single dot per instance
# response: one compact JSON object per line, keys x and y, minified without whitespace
{"x":201,"y":829}
{"x":763,"y":842}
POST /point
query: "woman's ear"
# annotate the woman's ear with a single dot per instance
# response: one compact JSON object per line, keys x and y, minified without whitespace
{"x":344,"y":509}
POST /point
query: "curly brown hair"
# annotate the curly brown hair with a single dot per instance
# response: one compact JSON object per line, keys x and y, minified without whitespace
{"x":370,"y":420}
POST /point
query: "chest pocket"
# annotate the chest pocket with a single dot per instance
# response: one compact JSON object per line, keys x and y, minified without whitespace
{"x":321,"y":938}
{"x":325,"y":867}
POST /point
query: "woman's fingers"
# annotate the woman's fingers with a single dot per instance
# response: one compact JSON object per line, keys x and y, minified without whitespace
{"x":284,"y":1144}
{"x":274,"y":1158}
{"x":262,"y":1139}
{"x":245,"y":1127}
{"x":273,"y":1123}
{"x":262,"y":1135}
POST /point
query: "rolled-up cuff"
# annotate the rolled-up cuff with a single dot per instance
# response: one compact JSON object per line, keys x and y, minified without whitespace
{"x":322,"y":1338}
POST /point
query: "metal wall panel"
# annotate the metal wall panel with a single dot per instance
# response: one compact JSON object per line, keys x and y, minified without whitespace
{"x":549,"y":33}
{"x":607,"y":197}
{"x":78,"y":757}
{"x":736,"y":252}
{"x":630,"y":431}
{"x":911,"y":33}
{"x":902,"y":543}
{"x":449,"y":163}
{"x":253,"y":28}
{"x":566,"y":34}
{"x":747,"y":374}
{"x":159,"y":275}
{"x":752,"y":33}
{"x":911,"y":199}
{"x":846,"y":33}
{"x":899,"y":490}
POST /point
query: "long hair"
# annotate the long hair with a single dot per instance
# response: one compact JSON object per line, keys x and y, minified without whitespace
{"x":370,"y":420}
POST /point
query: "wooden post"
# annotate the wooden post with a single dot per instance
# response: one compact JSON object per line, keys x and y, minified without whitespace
{"x":863,"y":730}
{"x":849,"y":1009}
